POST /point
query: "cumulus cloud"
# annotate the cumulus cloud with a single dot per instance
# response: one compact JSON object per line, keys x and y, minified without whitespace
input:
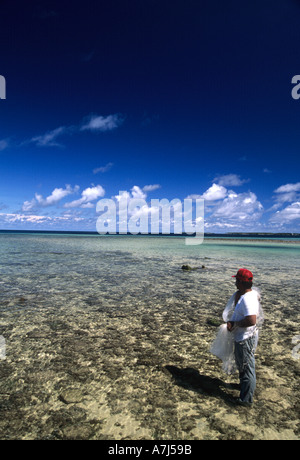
{"x":286,"y":193}
{"x":122,"y":195}
{"x":287,"y":215}
{"x":239,"y":208}
{"x":288,"y":188}
{"x":57,"y":195}
{"x":29,"y":205}
{"x":101,"y":124}
{"x":215,"y":192}
{"x":230,"y":180}
{"x":88,"y":195}
{"x":137,"y":193}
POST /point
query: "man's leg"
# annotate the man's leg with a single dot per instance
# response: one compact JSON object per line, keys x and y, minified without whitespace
{"x":244,"y":356}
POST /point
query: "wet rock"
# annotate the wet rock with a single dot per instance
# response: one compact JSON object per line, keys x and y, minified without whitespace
{"x":188,"y":328}
{"x":36,"y":334}
{"x":5,"y":370}
{"x":216,"y":322}
{"x":77,"y":432}
{"x":187,"y":424}
{"x":71,"y":395}
{"x":189,"y":268}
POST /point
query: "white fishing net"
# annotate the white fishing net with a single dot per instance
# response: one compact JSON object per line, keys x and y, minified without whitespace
{"x":223,"y":345}
{"x":223,"y":348}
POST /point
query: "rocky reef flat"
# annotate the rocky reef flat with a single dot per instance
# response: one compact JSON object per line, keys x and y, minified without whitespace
{"x":91,"y":371}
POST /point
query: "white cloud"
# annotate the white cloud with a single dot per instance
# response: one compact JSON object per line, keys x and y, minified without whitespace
{"x":226,"y":209}
{"x":24,"y":219}
{"x":215,"y":192}
{"x":87,"y":205}
{"x":29,"y":205}
{"x":17,"y":217}
{"x":123,"y":195}
{"x":3,"y":144}
{"x":88,"y":195}
{"x":151,"y":188}
{"x":103,"y":169}
{"x":100,"y":123}
{"x":287,"y":215}
{"x":286,"y":193}
{"x":49,"y":139}
{"x":238,"y":208}
{"x":220,"y":225}
{"x":137,"y":193}
{"x":57,"y":195}
{"x":94,"y":123}
{"x":230,"y":180}
{"x":138,"y":213}
{"x":92,"y":193}
{"x":287,"y":188}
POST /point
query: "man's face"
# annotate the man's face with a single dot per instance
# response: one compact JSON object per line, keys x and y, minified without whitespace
{"x":238,"y":283}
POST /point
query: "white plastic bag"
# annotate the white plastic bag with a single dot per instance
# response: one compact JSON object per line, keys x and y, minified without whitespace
{"x":223,"y":345}
{"x":223,"y":348}
{"x":229,"y":309}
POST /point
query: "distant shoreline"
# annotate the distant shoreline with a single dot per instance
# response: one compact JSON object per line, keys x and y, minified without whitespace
{"x":241,"y":235}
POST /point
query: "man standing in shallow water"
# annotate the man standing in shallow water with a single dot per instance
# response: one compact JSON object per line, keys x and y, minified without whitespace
{"x":243,"y":325}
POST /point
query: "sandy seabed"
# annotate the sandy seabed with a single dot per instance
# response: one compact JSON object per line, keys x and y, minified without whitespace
{"x":106,"y":373}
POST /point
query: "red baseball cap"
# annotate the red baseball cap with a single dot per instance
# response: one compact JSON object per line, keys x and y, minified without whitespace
{"x":243,"y":275}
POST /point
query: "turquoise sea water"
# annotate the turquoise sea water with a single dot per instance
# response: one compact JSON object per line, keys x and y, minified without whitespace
{"x":136,"y":269}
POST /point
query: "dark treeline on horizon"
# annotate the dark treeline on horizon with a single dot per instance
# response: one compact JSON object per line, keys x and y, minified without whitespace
{"x":229,"y":234}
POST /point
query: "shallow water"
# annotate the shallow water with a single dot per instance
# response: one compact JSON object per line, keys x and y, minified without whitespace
{"x":47,"y":263}
{"x":115,"y":322}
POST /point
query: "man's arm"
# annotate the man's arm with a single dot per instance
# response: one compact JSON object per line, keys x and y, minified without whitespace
{"x":246,"y":322}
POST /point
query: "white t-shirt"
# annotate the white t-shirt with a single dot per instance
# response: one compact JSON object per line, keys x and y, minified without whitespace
{"x":247,"y":305}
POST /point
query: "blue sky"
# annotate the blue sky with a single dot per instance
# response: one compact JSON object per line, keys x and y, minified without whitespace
{"x":159,"y":98}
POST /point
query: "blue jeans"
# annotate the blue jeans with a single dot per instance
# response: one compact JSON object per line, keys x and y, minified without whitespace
{"x":245,"y":361}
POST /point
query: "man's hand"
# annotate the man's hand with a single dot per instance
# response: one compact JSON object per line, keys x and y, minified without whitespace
{"x":230,"y":326}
